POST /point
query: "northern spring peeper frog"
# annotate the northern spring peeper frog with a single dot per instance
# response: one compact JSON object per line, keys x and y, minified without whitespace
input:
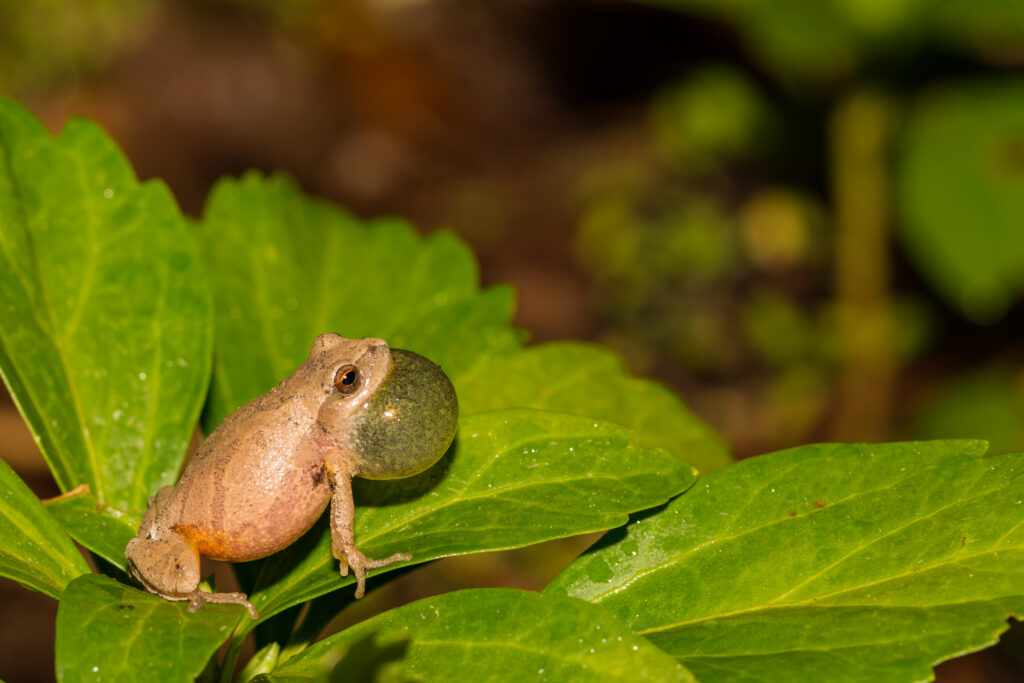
{"x":355,"y":408}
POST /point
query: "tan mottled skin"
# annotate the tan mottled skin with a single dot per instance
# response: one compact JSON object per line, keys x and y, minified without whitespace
{"x":262,"y":479}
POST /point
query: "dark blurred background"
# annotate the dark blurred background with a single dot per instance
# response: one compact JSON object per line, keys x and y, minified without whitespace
{"x":807,"y":217}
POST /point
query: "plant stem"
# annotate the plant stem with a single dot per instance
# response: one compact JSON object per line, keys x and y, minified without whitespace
{"x":859,"y":133}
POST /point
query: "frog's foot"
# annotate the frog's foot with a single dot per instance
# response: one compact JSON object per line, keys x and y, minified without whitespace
{"x":351,"y":557}
{"x":198,"y":598}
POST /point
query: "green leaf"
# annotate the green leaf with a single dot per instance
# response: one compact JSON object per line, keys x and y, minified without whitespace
{"x":262,"y":662}
{"x":587,"y":380}
{"x":286,"y":268}
{"x":107,"y":631}
{"x":102,"y":529}
{"x":514,"y":478}
{"x":493,"y":634}
{"x":105,"y":319}
{"x":962,"y":194}
{"x":35,"y":551}
{"x":831,"y":562}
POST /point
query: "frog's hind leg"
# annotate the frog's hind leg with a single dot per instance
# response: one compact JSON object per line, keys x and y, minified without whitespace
{"x":164,"y":563}
{"x":168,"y":565}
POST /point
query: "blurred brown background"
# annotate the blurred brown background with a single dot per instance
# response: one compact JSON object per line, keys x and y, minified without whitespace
{"x":729,"y":194}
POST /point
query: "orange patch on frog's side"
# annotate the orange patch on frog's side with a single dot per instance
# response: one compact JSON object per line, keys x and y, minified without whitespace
{"x":212,"y":544}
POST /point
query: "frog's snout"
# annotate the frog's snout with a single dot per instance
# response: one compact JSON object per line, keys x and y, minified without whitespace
{"x":409,"y":422}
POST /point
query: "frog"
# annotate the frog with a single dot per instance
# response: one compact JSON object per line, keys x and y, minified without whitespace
{"x":265,"y":475}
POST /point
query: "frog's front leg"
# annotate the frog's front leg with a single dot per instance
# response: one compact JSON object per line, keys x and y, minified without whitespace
{"x":343,"y":537}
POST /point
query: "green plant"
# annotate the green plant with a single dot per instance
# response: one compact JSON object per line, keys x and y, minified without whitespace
{"x":836,"y":562}
{"x":852,"y":170}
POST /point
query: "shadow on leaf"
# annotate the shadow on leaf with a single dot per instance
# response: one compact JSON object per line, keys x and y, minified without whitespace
{"x":613,"y":536}
{"x":370,"y":662}
{"x":384,"y":492}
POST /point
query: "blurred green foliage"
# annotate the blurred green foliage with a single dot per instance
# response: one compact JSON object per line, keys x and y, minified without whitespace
{"x":962,"y":194}
{"x":50,"y":43}
{"x":716,"y":114}
{"x":822,"y":41}
{"x":726,"y":259}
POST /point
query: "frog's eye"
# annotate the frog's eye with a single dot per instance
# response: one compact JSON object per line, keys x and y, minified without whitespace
{"x":346,"y":380}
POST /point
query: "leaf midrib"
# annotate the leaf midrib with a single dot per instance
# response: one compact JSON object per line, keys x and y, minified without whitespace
{"x":22,"y":524}
{"x":65,"y":365}
{"x":895,"y":530}
{"x":720,"y":539}
{"x":816,"y":601}
{"x":860,"y":644}
{"x":580,"y":660}
{"x":140,"y":471}
{"x":462,"y":496}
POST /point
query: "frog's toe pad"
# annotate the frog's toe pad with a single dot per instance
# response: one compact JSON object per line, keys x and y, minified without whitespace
{"x":360,"y":563}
